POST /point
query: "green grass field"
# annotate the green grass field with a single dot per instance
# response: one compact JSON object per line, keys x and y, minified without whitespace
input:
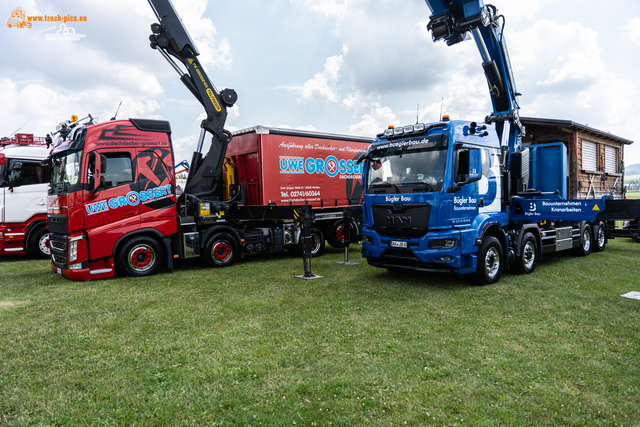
{"x":251,"y":345}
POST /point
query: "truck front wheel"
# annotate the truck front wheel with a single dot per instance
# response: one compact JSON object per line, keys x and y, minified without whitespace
{"x":220,"y":251}
{"x":140,"y":256}
{"x":39,"y":244}
{"x":526,"y":262}
{"x":490,"y":262}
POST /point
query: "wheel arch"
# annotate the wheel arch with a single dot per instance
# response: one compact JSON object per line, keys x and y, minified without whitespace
{"x":495,"y":230}
{"x":32,"y":228}
{"x":148,"y":232}
{"x":524,"y":229}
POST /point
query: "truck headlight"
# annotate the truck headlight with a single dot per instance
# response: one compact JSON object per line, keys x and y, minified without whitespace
{"x":73,"y":248}
{"x":73,"y":251}
{"x":443,"y":243}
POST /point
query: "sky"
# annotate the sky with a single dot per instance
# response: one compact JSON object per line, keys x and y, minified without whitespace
{"x":339,"y":66}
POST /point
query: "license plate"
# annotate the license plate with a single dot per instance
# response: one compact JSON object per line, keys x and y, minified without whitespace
{"x":396,"y":244}
{"x":58,"y":271}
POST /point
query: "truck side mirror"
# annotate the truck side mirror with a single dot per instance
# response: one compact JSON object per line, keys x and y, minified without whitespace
{"x":468,"y":166}
{"x":475,"y":164}
{"x":14,"y":174}
{"x":97,"y":162}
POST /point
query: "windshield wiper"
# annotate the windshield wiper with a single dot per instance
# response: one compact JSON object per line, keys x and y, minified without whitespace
{"x":385,"y":184}
{"x":423,"y":186}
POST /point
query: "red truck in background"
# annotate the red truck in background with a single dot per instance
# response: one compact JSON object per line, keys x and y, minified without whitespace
{"x":23,"y":194}
{"x":286,"y":166}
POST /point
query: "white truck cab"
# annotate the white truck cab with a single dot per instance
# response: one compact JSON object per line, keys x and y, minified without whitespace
{"x":24,"y":186}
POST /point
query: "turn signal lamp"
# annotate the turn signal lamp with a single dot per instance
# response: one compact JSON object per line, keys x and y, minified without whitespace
{"x":3,"y":160}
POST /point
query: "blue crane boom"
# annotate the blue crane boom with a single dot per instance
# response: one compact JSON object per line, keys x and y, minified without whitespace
{"x":454,"y":21}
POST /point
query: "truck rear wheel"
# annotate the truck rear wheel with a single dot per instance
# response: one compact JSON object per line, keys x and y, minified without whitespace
{"x":600,"y":238}
{"x":586,"y":241}
{"x":317,"y":244}
{"x":38,"y":245}
{"x":490,"y":262}
{"x":336,"y":233}
{"x":526,"y":262}
{"x":139,"y":257}
{"x":220,"y":251}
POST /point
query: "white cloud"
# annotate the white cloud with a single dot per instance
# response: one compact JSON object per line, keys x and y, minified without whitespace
{"x":633,"y":30}
{"x":516,"y":11}
{"x":318,"y":89}
{"x":213,"y":52}
{"x":46,"y":107}
{"x":377,"y":119}
{"x":328,"y":7}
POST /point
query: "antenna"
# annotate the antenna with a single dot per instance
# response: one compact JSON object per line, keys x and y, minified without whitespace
{"x":441,"y":104}
{"x":16,"y":131}
{"x":114,"y":116}
{"x":418,"y":113}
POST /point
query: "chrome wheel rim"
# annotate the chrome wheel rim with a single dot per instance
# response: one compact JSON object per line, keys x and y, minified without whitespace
{"x":529,"y":255}
{"x":221,"y":252}
{"x":492,"y":262}
{"x":142,"y":258}
{"x":586,"y":240}
{"x":43,"y":245}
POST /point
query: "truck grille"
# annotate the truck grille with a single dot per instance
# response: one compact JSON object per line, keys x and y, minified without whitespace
{"x":58,"y":246}
{"x":59,"y":260}
{"x":57,"y":223}
{"x":401,"y":220}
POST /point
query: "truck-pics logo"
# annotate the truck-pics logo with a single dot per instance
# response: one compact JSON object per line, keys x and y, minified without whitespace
{"x":133,"y":198}
{"x":18,"y":19}
{"x":330,"y":166}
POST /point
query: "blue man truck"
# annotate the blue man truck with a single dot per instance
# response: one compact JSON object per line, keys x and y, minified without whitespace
{"x":467,"y":197}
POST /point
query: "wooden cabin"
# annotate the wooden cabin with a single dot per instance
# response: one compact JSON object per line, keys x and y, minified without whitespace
{"x":596,"y":158}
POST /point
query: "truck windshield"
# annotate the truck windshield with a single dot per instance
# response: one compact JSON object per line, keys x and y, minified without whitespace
{"x":422,"y":169}
{"x":66,"y":169}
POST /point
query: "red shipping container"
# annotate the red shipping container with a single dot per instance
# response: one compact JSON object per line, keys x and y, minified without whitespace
{"x":286,"y":166}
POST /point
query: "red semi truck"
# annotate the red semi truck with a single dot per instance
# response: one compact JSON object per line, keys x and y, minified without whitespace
{"x":113,"y":205}
{"x":286,"y":166}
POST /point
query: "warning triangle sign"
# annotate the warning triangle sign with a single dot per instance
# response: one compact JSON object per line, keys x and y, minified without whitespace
{"x":596,"y":208}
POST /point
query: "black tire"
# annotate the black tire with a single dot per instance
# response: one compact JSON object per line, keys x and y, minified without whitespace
{"x":526,"y":262}
{"x":599,"y":237}
{"x":336,"y":233}
{"x":221,"y":251}
{"x":139,"y":257}
{"x":586,"y":241}
{"x":38,"y":245}
{"x":490,"y":262}
{"x":317,"y":244}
